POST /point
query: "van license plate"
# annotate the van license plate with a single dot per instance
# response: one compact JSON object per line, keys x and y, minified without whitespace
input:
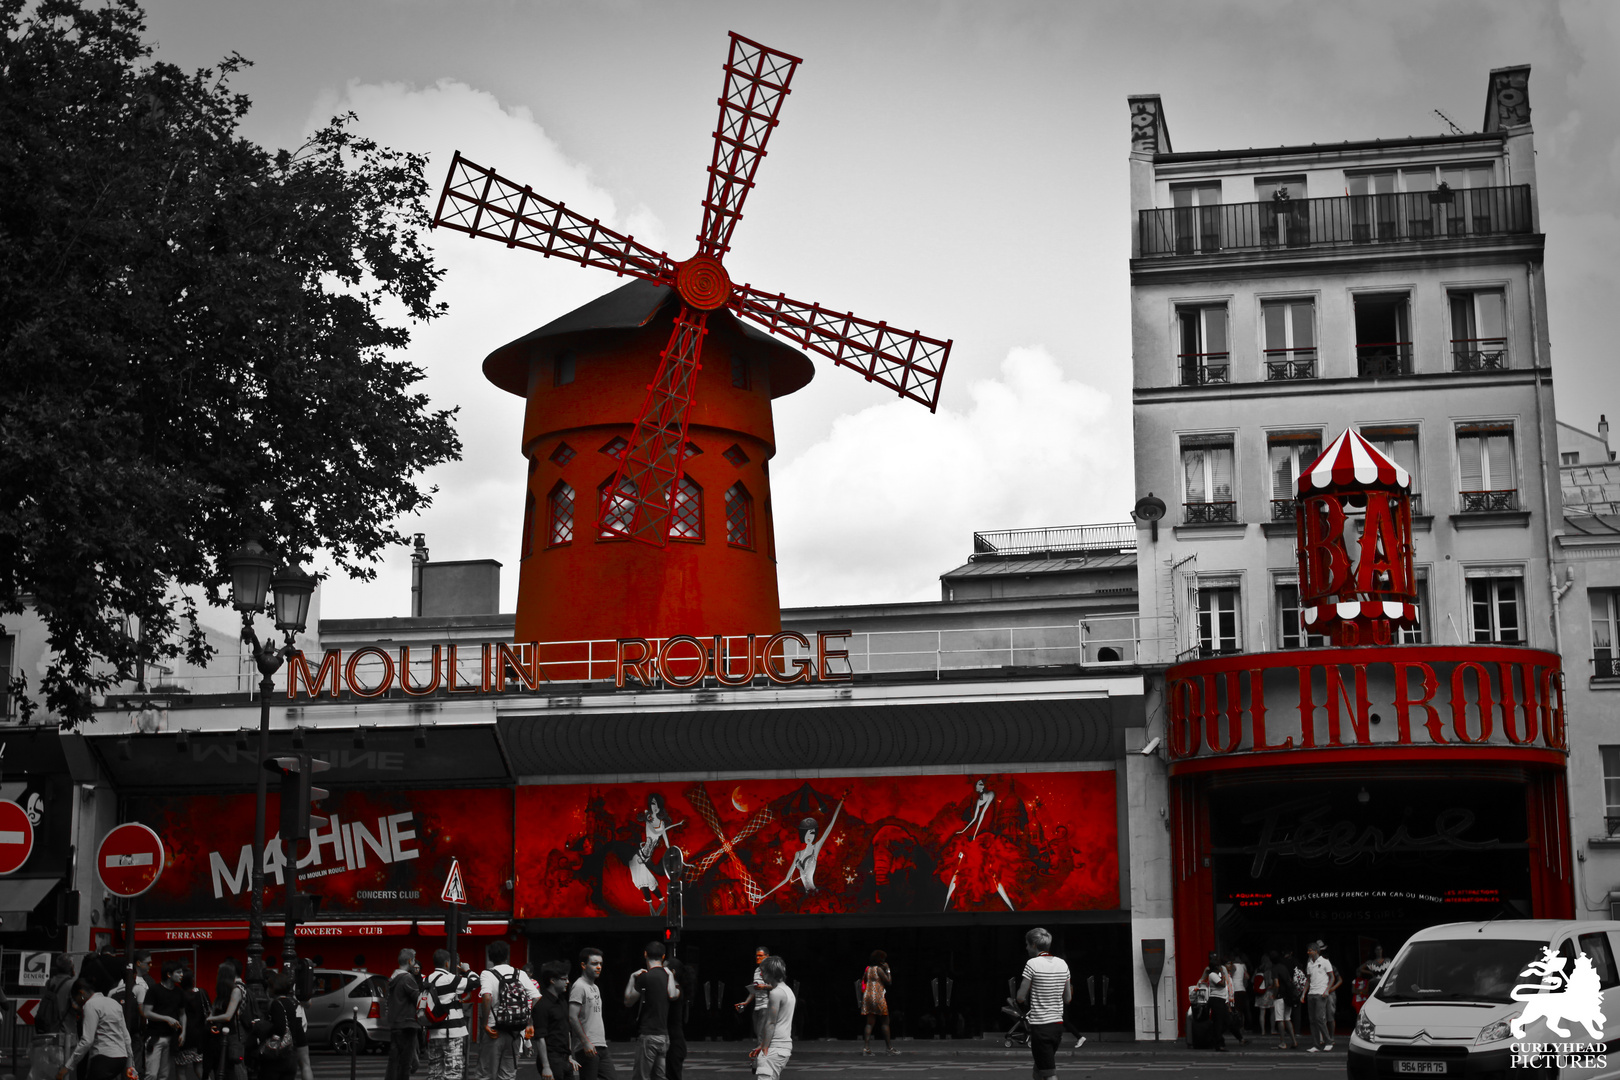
{"x":1424,"y":1068}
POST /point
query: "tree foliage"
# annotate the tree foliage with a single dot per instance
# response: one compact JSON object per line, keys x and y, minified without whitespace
{"x":195,"y":341}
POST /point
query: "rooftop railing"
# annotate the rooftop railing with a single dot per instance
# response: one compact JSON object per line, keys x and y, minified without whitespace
{"x":1292,"y":224}
{"x":1062,"y":538}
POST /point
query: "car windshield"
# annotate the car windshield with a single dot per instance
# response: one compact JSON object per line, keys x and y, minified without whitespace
{"x":1466,"y":969}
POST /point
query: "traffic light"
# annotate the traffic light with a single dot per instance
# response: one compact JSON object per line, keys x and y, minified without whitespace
{"x":298,"y":791}
{"x":672,"y":938}
{"x":303,"y":907}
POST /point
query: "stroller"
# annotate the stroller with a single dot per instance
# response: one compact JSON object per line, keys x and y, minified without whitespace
{"x":1018,"y":1034}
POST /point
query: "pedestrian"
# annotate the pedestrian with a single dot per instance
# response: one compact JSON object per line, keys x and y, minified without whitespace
{"x":404,"y":1029}
{"x":1321,"y":982}
{"x":874,"y":996}
{"x":1283,"y":1000}
{"x":585,"y":1018}
{"x":278,"y":1060}
{"x":447,"y":991}
{"x":1373,"y":968}
{"x":51,"y":1016}
{"x":652,"y":989}
{"x":194,"y":1044}
{"x":165,"y":1013}
{"x":229,"y":994}
{"x":1218,"y":981}
{"x":1238,"y":965}
{"x":675,"y":1062}
{"x":104,"y":1039}
{"x":508,"y":996}
{"x":776,"y":1029}
{"x":1045,"y":990}
{"x":550,"y":1016}
{"x":1265,"y":993}
{"x":758,"y":991}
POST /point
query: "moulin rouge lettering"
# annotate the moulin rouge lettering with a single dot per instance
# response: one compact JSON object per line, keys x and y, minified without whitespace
{"x":677,"y":663}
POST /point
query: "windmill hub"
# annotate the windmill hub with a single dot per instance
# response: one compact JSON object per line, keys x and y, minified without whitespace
{"x":702,"y":282}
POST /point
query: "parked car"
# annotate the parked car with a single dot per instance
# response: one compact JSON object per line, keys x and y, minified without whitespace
{"x":346,"y":1010}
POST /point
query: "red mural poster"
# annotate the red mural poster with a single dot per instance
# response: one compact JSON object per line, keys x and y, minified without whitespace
{"x":853,"y":845}
{"x":380,"y":853}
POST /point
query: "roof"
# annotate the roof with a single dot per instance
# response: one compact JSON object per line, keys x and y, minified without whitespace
{"x":1321,"y":148}
{"x":1006,"y":567}
{"x":631,"y":307}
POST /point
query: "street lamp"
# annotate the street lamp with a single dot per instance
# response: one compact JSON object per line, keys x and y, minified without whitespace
{"x":251,"y":579}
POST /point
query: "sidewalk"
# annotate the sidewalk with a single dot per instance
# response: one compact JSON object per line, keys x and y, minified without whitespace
{"x":989,"y":1048}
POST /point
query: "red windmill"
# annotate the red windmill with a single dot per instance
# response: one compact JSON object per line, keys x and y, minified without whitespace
{"x":612,"y":592}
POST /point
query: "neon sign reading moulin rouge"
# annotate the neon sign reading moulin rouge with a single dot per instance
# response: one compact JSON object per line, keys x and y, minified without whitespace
{"x":1402,"y":696}
{"x":678,"y":662}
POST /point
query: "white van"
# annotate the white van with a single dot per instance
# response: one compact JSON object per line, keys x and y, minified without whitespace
{"x":1457,"y":1001}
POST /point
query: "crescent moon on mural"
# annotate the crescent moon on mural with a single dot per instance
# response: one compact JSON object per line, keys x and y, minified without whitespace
{"x":737,"y":800}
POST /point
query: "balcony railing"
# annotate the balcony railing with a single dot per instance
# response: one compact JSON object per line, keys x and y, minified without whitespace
{"x":1283,"y":509}
{"x":1288,"y":364}
{"x":1485,"y":502}
{"x":1403,"y":217}
{"x":1201,"y":369}
{"x":1063,"y":538}
{"x":1606,"y":666}
{"x":1479,"y":354}
{"x":1384,"y":359}
{"x":1209,"y":513}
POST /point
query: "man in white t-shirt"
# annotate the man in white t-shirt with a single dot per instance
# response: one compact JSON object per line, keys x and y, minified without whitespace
{"x":585,"y":1018}
{"x":1045,"y":989}
{"x":509,"y":996}
{"x":1320,"y":983}
{"x":776,"y":1026}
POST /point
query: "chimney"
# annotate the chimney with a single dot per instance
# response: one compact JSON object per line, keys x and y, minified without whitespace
{"x":419,"y":558}
{"x":1603,"y":433}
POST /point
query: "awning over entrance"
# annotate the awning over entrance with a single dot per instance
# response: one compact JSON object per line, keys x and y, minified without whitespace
{"x":20,"y":896}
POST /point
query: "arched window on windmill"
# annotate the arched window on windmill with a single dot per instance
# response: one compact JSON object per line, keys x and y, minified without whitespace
{"x":528,"y":512}
{"x":618,"y":512}
{"x":686,"y":515}
{"x":739,"y":516}
{"x":560,"y":515}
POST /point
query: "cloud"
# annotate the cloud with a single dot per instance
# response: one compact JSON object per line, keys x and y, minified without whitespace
{"x":890,"y":499}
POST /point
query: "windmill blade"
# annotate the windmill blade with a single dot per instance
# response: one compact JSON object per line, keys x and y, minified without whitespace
{"x":480,"y":202}
{"x":638,"y":505}
{"x":757,"y":80}
{"x":907,"y":362}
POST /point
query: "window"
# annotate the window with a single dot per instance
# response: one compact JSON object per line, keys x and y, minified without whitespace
{"x":1197,"y":217}
{"x":1596,"y":946}
{"x":615,"y":447}
{"x":1206,"y":470}
{"x":1217,"y":619}
{"x":1611,"y":788}
{"x":1493,"y":610}
{"x":619,"y":514}
{"x":1571,"y":457}
{"x":1479,"y":331}
{"x":1374,"y":206}
{"x":1383,"y":335}
{"x":562,"y":369}
{"x":8,"y":663}
{"x":563,"y":454}
{"x":1284,"y":214}
{"x":1290,"y":623}
{"x":1486,"y":469}
{"x":686,"y":514}
{"x":739,"y":516}
{"x":739,"y":371}
{"x":735,"y":455}
{"x":528,"y":512}
{"x":1288,"y":454}
{"x":1416,"y":633}
{"x":1399,"y":443}
{"x":1203,"y":356}
{"x":560,"y":515}
{"x":1605,"y":620}
{"x":1474,"y":206}
{"x":1290,"y":338}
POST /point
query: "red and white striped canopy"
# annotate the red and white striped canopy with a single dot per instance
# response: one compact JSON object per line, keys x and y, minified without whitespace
{"x":1352,"y":462}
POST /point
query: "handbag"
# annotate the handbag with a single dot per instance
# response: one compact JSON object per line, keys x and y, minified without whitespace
{"x":279,"y":1045}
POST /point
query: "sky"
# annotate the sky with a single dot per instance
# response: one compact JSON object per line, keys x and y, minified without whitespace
{"x":955,"y":168}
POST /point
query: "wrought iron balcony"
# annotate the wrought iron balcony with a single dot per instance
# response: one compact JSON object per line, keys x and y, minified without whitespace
{"x":1283,"y":509}
{"x":1605,"y":665}
{"x":1486,"y":502}
{"x":1384,"y":359}
{"x":1479,"y":354}
{"x":1290,"y":224}
{"x":1611,"y":825}
{"x":1287,"y":364}
{"x":1202,"y":369}
{"x":1209,"y":513}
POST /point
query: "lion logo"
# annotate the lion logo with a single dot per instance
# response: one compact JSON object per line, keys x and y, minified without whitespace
{"x":1560,"y":999}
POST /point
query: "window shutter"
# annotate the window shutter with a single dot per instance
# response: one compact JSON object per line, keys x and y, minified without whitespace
{"x":1499,"y":462}
{"x":1469,"y":449}
{"x":1282,"y":470}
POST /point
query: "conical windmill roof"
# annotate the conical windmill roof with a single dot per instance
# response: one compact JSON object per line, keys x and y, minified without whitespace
{"x":631,"y":307}
{"x":1351,"y":462}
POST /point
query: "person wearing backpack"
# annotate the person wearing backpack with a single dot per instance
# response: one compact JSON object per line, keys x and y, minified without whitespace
{"x":51,"y":1015}
{"x":445,"y":1012}
{"x":1281,"y":973}
{"x":404,"y":1027}
{"x":509,"y":996}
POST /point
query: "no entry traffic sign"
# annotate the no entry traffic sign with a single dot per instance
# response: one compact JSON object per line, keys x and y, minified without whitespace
{"x":16,"y":837}
{"x":129,"y":860}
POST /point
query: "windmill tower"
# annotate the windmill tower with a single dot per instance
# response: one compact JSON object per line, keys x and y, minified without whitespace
{"x":648,"y":423}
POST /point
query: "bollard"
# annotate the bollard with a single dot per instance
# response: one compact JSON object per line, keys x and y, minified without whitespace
{"x":354,"y":1044}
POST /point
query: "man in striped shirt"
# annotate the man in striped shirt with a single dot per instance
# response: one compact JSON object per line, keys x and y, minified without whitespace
{"x":1045,"y":990}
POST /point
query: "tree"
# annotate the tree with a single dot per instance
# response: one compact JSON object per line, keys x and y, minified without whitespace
{"x":195,"y":342}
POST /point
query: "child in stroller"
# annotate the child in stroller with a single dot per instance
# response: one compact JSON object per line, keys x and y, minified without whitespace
{"x":1018,"y":1033}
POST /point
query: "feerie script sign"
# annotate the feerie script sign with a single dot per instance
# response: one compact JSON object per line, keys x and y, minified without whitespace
{"x":1391,"y":698}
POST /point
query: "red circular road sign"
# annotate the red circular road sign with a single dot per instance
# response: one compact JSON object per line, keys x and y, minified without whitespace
{"x":16,"y":837}
{"x":129,"y":860}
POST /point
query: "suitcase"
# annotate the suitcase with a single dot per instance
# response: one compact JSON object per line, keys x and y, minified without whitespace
{"x":1202,"y":1028}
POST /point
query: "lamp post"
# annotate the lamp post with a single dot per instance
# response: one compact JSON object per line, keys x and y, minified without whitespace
{"x":251,"y":579}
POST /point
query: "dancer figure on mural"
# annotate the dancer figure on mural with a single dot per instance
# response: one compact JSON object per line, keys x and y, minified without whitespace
{"x":655,"y":829}
{"x":803,"y":865}
{"x":979,"y":857}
